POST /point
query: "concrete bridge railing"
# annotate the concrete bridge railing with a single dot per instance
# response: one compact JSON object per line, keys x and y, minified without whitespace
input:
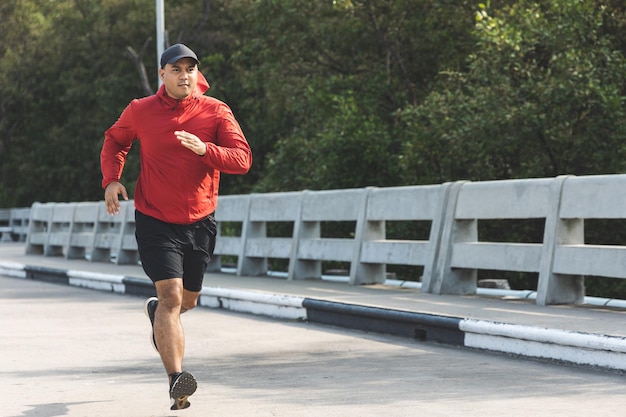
{"x":451,"y":256}
{"x":14,"y":224}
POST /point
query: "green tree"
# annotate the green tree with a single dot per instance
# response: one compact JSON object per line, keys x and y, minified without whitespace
{"x":384,"y":88}
{"x":24,"y":24}
{"x":543,"y":95}
{"x":309,"y":67}
{"x":70,"y":77}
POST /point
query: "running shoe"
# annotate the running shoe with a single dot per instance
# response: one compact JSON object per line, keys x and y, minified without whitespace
{"x":182,"y":386}
{"x":149,"y":308}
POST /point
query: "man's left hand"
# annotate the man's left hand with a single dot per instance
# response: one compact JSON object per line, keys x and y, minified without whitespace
{"x":191,"y":142}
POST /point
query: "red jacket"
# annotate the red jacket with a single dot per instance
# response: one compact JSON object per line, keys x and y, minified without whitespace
{"x":175,"y":185}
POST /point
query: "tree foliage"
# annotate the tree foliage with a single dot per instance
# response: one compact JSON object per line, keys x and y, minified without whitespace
{"x":61,"y":84}
{"x":543,"y":95}
{"x":331,"y":94}
{"x":314,"y":66}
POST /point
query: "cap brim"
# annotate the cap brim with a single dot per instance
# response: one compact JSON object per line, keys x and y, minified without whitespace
{"x":179,"y":57}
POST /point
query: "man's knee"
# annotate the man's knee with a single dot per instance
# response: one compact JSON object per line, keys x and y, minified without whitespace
{"x":190,"y":300}
{"x":170,"y":293}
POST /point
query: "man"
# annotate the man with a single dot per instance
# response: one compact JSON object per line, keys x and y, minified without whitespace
{"x":186,"y":140}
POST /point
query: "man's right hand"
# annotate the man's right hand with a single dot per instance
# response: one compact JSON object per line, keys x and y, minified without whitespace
{"x":111,"y":197}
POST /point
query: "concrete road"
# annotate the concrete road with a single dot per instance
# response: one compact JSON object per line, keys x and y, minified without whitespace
{"x":66,"y":351}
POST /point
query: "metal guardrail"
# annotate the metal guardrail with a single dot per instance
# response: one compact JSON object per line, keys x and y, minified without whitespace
{"x":450,"y":257}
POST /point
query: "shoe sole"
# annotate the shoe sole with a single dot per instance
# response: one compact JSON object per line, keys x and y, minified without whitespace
{"x":145,"y":310}
{"x":184,"y":386}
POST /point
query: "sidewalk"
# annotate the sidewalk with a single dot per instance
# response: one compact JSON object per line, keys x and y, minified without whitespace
{"x":583,"y":335}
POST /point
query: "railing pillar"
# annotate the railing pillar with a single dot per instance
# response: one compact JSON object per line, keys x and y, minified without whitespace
{"x":248,"y":265}
{"x":362,"y":273}
{"x":558,"y":288}
{"x":38,"y":228}
{"x":305,"y":268}
{"x":435,"y":238}
{"x":296,"y":270}
{"x":444,"y":279}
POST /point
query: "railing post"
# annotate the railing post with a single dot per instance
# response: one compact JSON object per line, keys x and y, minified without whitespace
{"x":435,"y":238}
{"x":38,"y":228}
{"x":557,"y":288}
{"x":366,"y":273}
{"x":293,"y":270}
{"x":82,"y":231}
{"x":305,"y":268}
{"x":445,"y":280}
{"x":127,"y":252}
{"x":248,"y":265}
{"x":59,"y":226}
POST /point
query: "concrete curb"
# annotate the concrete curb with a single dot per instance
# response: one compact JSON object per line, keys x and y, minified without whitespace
{"x":577,"y":348}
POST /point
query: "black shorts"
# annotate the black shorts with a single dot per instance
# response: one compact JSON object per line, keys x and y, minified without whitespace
{"x":171,"y":250}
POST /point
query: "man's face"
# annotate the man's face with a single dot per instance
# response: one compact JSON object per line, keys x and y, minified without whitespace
{"x":180,"y":78}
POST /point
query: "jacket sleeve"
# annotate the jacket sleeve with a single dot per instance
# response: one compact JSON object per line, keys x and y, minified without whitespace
{"x":230,"y":153}
{"x":118,"y":140}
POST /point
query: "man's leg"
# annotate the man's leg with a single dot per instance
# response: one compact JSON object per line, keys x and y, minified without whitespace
{"x":168,"y":330}
{"x":173,"y":300}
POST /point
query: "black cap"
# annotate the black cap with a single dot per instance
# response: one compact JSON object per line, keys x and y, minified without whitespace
{"x":176,"y":52}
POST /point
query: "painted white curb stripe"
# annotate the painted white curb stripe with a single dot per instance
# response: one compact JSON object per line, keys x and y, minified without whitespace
{"x":528,"y":348}
{"x":97,"y":281}
{"x":561,"y":345}
{"x":257,"y":297}
{"x":273,"y":305}
{"x":544,"y":335}
{"x":12,"y":269}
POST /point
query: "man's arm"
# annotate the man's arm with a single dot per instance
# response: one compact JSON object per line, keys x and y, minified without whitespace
{"x":231,"y":153}
{"x":118,"y":140}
